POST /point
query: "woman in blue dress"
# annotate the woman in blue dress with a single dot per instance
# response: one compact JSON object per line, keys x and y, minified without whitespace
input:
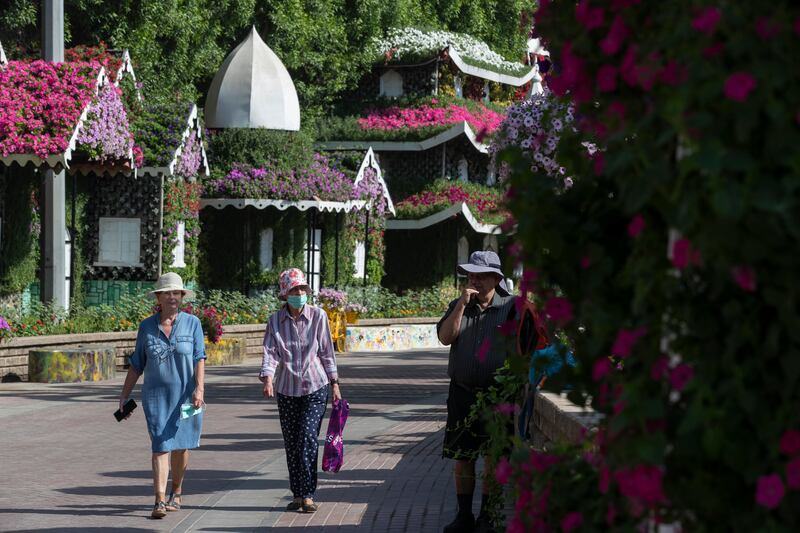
{"x":170,"y":352}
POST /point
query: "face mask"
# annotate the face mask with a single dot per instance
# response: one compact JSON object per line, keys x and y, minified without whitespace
{"x":297,"y":301}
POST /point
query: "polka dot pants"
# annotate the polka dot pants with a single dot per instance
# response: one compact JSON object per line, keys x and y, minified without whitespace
{"x":301,"y":421}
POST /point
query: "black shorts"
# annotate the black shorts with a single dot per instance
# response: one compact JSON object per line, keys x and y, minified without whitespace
{"x":463,"y":439}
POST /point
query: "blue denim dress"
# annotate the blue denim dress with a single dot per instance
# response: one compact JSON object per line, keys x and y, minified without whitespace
{"x":168,"y":365}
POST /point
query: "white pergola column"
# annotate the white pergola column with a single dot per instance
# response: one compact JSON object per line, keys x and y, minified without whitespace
{"x":54,"y":222}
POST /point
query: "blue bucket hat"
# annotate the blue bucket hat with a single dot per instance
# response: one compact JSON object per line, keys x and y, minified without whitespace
{"x":480,"y":262}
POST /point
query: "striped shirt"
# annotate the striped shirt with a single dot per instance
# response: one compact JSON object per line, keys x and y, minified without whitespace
{"x":298,"y":353}
{"x":464,"y":367}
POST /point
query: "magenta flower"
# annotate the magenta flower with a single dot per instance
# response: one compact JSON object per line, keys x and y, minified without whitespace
{"x":636,"y":225}
{"x":601,"y":368}
{"x":769,"y":491}
{"x":604,"y":480}
{"x":626,"y":338}
{"x":642,"y":484}
{"x":559,"y":310}
{"x":659,"y":368}
{"x":793,"y":474}
{"x":607,"y":78}
{"x":589,"y":17}
{"x":503,"y":471}
{"x":790,"y":442}
{"x":739,"y":85}
{"x":684,"y":254}
{"x":586,"y":262}
{"x":612,"y":43}
{"x":504,"y":408}
{"x":571,"y":521}
{"x":706,"y":21}
{"x":745,"y":277}
{"x":680,"y":376}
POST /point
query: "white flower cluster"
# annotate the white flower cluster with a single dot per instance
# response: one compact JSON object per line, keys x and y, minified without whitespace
{"x":535,"y":126}
{"x":406,"y":41}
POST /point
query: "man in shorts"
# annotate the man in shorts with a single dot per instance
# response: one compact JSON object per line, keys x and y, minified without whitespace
{"x":469,"y":321}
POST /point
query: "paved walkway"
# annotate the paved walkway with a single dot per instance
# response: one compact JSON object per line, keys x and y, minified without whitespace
{"x":67,"y":465}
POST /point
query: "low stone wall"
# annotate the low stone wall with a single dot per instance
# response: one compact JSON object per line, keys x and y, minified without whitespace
{"x":556,"y":419}
{"x":14,"y":353}
{"x":386,"y":335}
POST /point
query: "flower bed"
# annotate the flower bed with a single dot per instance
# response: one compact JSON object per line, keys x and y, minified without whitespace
{"x":410,"y":45}
{"x":158,"y":130}
{"x":105,"y":134}
{"x":317,"y":180}
{"x":96,"y":54}
{"x":484,"y":202}
{"x":412,"y":120}
{"x":40,"y":104}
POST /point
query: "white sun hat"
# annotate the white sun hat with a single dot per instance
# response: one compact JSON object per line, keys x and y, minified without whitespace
{"x":170,"y":281}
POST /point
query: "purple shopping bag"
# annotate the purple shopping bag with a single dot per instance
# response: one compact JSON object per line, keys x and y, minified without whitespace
{"x":333,"y":455}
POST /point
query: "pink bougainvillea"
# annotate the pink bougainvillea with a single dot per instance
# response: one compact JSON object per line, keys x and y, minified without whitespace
{"x":739,"y":85}
{"x":626,"y":338}
{"x":571,"y":521}
{"x":40,"y":103}
{"x":642,"y":485}
{"x":770,"y":491}
{"x":745,"y":277}
{"x":706,"y":21}
{"x":636,"y":225}
{"x":559,"y":310}
{"x":394,"y":118}
{"x":680,"y":376}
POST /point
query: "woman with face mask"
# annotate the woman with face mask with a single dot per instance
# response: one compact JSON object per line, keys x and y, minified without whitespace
{"x":300,"y":368}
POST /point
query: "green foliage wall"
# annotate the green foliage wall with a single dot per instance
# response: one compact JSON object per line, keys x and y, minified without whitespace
{"x":19,"y":249}
{"x":285,"y":150}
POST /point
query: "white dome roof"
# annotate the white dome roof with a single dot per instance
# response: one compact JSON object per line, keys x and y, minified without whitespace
{"x":252,"y":89}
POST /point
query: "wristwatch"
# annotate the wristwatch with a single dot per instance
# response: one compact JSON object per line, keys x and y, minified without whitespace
{"x":334,"y":381}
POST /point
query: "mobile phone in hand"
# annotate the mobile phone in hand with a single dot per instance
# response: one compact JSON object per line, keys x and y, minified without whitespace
{"x":127,"y":409}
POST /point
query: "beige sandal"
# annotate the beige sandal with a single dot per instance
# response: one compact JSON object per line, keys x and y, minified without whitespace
{"x":172,"y":504}
{"x":159,"y":510}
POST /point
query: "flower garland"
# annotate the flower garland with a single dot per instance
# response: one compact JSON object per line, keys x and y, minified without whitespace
{"x":402,"y":43}
{"x":40,"y":104}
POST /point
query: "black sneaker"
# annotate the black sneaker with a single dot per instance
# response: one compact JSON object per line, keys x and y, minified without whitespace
{"x":484,"y":524}
{"x":464,"y":523}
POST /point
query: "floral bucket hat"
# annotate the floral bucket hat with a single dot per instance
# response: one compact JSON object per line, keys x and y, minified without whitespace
{"x":289,"y":279}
